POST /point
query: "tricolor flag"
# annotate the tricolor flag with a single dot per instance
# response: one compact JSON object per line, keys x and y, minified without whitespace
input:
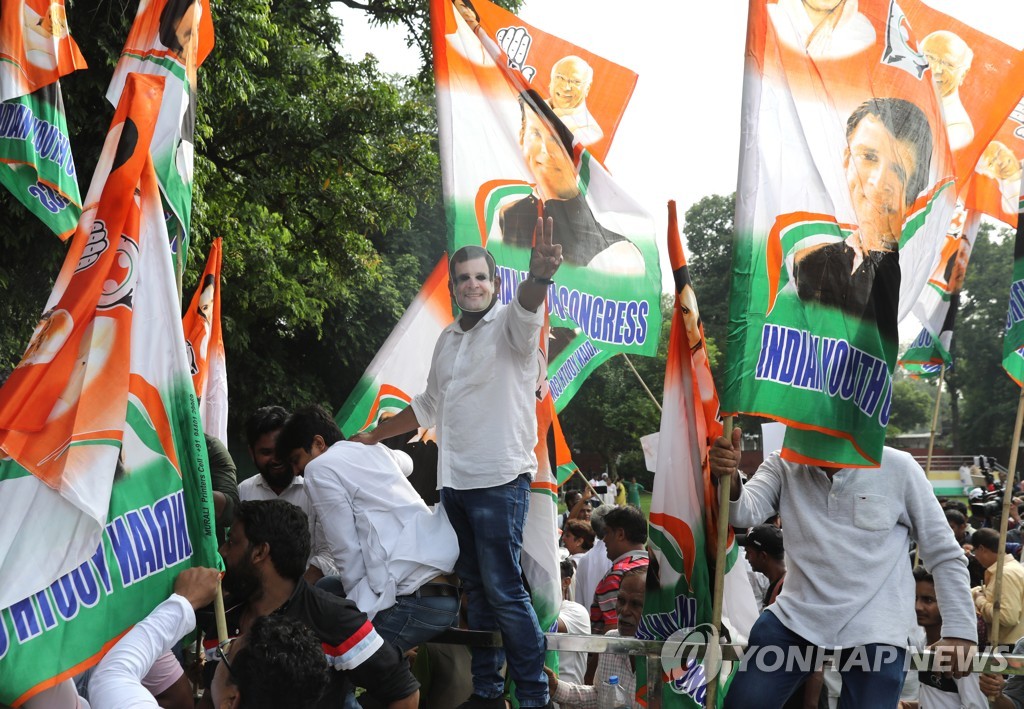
{"x":104,"y":503}
{"x":204,"y":343}
{"x":170,"y":38}
{"x":684,"y":506}
{"x":36,"y":163}
{"x":1013,"y":338}
{"x":524,"y":120}
{"x":845,"y":162}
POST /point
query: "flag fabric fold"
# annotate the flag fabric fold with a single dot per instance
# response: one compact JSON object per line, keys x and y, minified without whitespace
{"x":36,"y":163}
{"x":524,"y":120}
{"x":1013,"y":337}
{"x":109,"y":498}
{"x":684,"y":507}
{"x":204,"y":342}
{"x":170,"y":38}
{"x":846,"y":191}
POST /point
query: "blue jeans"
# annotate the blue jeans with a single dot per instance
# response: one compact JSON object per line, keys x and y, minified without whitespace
{"x":412,"y":620}
{"x":489,"y":523}
{"x":872,"y":674}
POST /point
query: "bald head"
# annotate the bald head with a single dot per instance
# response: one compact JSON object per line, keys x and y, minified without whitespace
{"x":949,"y":58}
{"x":571,"y":78}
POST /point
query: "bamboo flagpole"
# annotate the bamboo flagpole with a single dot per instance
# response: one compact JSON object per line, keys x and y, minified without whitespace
{"x":724,"y":493}
{"x":642,"y":382}
{"x":997,"y":587}
{"x":931,"y":446}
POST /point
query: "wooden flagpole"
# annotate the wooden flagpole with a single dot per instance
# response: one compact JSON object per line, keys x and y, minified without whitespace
{"x":931,"y":445}
{"x":642,"y":382}
{"x":724,"y":493}
{"x":997,"y":588}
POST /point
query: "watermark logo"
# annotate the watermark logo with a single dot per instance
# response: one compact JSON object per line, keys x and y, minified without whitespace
{"x":691,"y":658}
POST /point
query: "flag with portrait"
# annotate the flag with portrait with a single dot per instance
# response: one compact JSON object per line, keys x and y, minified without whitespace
{"x":204,"y":343}
{"x":1013,"y":336}
{"x":525,"y":120}
{"x":846,"y":190}
{"x":104,"y":494}
{"x":36,"y":163}
{"x":170,"y":38}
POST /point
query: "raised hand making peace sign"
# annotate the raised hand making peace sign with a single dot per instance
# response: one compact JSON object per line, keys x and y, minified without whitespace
{"x":547,"y":255}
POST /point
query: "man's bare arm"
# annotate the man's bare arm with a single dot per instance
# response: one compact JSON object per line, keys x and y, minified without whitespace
{"x":403,"y":422}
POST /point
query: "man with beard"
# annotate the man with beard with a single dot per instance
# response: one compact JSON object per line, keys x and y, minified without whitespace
{"x":276,"y":481}
{"x":264,"y":558}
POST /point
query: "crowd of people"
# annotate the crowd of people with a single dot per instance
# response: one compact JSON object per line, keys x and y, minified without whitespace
{"x":340,"y":577}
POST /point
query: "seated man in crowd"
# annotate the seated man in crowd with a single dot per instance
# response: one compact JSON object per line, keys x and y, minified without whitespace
{"x":394,"y":556}
{"x":625,"y":535}
{"x":277,"y":664}
{"x":1011,"y":606}
{"x":935,"y":690}
{"x":629,"y":606}
{"x":264,"y":557}
{"x":277,"y":481}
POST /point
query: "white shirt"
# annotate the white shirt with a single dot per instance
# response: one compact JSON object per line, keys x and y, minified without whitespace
{"x":118,"y":678}
{"x":480,"y":395}
{"x":599,"y":695}
{"x":572,"y":666}
{"x":590,"y":569}
{"x":385,"y":540}
{"x":256,"y":488}
{"x":848,"y":582}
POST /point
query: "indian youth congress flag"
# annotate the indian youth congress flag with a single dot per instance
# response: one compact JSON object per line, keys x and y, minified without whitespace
{"x":846,"y":191}
{"x":204,"y":343}
{"x":170,"y":38}
{"x":683,"y":505}
{"x":1013,"y":338}
{"x":135,"y":447}
{"x":36,"y":163}
{"x":524,"y":120}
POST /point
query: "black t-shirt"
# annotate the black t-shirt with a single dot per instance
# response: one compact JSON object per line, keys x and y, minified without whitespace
{"x":354,"y":650}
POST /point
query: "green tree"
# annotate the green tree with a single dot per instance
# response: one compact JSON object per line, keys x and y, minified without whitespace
{"x":912,"y":406}
{"x":320,"y":173}
{"x":709,"y":234}
{"x":989,"y":397}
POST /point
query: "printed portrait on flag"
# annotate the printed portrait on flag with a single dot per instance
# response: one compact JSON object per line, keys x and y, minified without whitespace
{"x":845,"y":196}
{"x":996,"y":184}
{"x":525,"y":120}
{"x":36,"y":47}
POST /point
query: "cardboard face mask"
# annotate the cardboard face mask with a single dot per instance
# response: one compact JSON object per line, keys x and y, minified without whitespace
{"x":472,"y":284}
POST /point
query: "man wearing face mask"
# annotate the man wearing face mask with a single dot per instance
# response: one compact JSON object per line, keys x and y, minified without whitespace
{"x":480,"y":397}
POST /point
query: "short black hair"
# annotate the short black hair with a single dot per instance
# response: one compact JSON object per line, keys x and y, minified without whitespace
{"x":470,"y":252}
{"x":280,"y":666}
{"x":582,"y":529}
{"x":534,"y":101}
{"x":281,"y":525}
{"x":264,"y":420}
{"x":567,"y":568}
{"x":630,"y":520}
{"x":986,"y":537}
{"x":303,"y":426}
{"x":921,"y":574}
{"x":955,"y":516}
{"x":906,"y":123}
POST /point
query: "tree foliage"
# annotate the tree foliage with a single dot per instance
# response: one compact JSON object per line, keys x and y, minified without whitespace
{"x":989,"y":397}
{"x":709,"y":234}
{"x":321,"y":174}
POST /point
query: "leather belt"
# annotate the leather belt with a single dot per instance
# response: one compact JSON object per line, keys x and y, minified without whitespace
{"x":443,"y":585}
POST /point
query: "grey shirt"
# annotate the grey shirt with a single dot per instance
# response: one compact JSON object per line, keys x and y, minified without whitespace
{"x":848,"y":579}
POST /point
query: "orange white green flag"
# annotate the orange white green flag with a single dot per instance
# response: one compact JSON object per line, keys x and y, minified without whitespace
{"x":996,"y":185}
{"x":204,"y":342}
{"x":36,"y":163}
{"x":684,"y":508}
{"x":846,"y":190}
{"x":525,"y":119}
{"x":104,"y":494}
{"x":170,"y":38}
